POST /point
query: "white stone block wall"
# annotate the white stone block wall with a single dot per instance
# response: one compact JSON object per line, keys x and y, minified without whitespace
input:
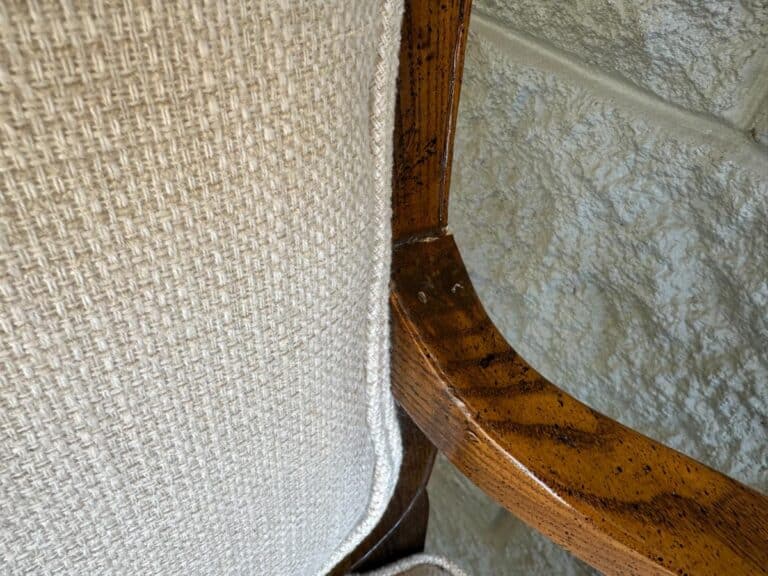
{"x":610,"y":197}
{"x":703,"y":55}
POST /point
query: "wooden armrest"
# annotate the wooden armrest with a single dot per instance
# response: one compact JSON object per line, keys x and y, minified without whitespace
{"x":617,"y":499}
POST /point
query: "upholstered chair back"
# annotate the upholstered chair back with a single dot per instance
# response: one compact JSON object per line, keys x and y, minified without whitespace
{"x":195,"y":256}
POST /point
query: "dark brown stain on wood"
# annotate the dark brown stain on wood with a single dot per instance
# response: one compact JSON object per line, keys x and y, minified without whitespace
{"x":431,"y":63}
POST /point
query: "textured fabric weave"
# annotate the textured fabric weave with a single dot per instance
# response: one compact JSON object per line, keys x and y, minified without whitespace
{"x":195,"y":251}
{"x":419,"y":565}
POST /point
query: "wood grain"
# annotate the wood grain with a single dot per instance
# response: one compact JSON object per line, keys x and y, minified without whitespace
{"x":619,"y":500}
{"x":403,"y":527}
{"x":431,"y":62}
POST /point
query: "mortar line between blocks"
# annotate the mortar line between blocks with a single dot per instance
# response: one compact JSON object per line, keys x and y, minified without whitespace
{"x":523,"y":49}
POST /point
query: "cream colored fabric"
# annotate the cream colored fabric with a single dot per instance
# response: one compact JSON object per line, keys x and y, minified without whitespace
{"x":420,"y":565}
{"x":195,"y":251}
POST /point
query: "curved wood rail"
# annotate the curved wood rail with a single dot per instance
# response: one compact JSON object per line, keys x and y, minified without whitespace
{"x":619,"y":500}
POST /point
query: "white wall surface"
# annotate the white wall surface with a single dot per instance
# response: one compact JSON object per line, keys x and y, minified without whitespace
{"x":610,"y":197}
{"x":704,"y":55}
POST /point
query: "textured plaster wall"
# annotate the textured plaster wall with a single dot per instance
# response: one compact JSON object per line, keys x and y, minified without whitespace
{"x":706,"y":55}
{"x":610,"y":197}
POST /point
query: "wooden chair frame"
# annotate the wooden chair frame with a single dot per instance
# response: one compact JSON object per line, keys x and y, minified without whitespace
{"x":615,"y":498}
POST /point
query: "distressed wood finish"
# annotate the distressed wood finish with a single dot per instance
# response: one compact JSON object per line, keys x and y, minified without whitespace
{"x":617,"y":499}
{"x":402,"y":529}
{"x":431,"y":61}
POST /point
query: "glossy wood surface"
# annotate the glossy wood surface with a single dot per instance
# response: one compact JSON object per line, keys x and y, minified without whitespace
{"x":403,"y":528}
{"x":431,"y":61}
{"x":619,"y":500}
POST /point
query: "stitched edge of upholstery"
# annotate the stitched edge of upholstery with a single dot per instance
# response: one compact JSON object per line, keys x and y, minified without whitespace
{"x":381,"y":416}
{"x":417,"y":560}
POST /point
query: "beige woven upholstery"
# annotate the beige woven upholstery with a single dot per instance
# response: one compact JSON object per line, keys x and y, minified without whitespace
{"x":195,"y":251}
{"x":419,"y":565}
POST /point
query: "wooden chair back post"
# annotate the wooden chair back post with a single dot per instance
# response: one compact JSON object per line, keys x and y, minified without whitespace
{"x":434,"y":36}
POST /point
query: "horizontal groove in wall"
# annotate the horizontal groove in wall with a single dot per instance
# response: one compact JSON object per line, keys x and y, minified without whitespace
{"x":732,"y":143}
